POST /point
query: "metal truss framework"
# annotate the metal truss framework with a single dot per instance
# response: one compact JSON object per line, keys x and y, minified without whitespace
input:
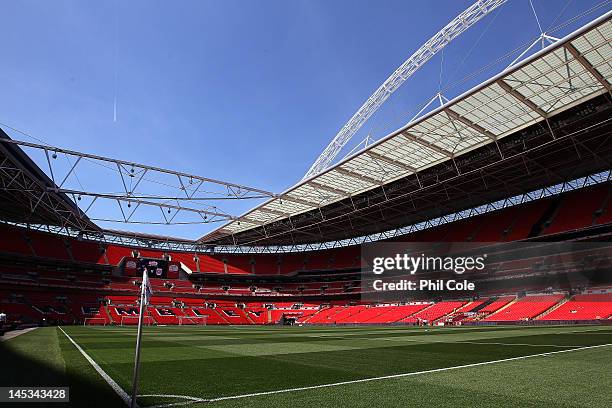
{"x":565,"y":74}
{"x":186,"y":193}
{"x":26,"y":197}
{"x":441,"y":39}
{"x":193,"y":247}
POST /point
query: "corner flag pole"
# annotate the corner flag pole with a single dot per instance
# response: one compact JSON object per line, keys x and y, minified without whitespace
{"x":145,"y":292}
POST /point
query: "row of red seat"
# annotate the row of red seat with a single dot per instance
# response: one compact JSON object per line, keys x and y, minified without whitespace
{"x":577,"y":209}
{"x":36,"y":306}
{"x":583,"y":307}
{"x":40,"y":244}
{"x":124,"y":311}
{"x":525,"y":308}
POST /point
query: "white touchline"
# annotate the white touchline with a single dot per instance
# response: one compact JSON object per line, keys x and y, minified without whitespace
{"x":124,"y":396}
{"x":14,"y":333}
{"x":386,"y":377}
{"x":190,"y":400}
{"x":400,"y":339}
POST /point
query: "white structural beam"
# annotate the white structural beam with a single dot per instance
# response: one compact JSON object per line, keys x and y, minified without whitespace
{"x":436,"y":43}
{"x":233,"y":189}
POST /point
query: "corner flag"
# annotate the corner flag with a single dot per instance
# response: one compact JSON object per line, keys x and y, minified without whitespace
{"x":145,"y":296}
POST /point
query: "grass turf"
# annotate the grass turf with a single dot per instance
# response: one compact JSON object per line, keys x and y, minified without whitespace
{"x":211,"y":362}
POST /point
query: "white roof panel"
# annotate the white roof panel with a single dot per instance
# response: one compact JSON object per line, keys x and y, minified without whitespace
{"x":495,"y":110}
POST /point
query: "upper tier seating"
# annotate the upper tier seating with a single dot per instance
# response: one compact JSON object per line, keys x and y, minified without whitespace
{"x":526,"y":217}
{"x":578,"y":209}
{"x":605,"y":212}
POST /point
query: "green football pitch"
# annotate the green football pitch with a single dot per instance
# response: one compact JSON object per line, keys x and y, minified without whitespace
{"x":320,"y":366}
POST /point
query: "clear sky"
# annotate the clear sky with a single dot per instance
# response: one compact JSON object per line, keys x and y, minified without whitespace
{"x":244,"y":91}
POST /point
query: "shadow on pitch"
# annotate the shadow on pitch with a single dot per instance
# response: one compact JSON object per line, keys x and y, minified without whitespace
{"x":19,"y":370}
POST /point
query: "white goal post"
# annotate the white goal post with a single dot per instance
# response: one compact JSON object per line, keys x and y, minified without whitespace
{"x":192,"y":320}
{"x":133,"y":321}
{"x":95,"y":321}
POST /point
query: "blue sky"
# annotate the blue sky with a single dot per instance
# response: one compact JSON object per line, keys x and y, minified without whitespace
{"x":249,"y":92}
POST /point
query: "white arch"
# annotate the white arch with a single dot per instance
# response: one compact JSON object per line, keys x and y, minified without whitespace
{"x":443,"y":37}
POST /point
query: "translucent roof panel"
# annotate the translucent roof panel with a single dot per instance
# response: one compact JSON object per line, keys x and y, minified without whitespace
{"x":596,"y":48}
{"x":495,"y":110}
{"x":376,"y":170}
{"x":554,"y":81}
{"x":449,"y":134}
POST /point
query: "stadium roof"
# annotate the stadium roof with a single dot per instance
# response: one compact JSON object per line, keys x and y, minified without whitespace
{"x":571,"y":71}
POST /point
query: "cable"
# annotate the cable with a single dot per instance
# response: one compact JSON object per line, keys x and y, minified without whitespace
{"x":536,"y":16}
{"x":560,"y":14}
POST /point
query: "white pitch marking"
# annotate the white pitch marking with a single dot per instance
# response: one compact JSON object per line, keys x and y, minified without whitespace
{"x":515,"y":344}
{"x":124,"y":396}
{"x":606,"y":333}
{"x":14,"y":333}
{"x":399,"y":340}
{"x":191,"y":400}
{"x":386,"y":377}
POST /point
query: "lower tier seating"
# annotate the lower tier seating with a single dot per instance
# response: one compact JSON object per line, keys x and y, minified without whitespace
{"x":51,"y":308}
{"x":583,"y":307}
{"x":525,"y":308}
{"x":434,"y":312}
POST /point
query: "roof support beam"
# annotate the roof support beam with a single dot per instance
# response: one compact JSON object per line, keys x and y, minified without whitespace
{"x":297,"y":201}
{"x":271,"y":211}
{"x":455,"y":116}
{"x":521,"y":98}
{"x":431,"y":146}
{"x":587,"y":65}
{"x":251,"y":221}
{"x":332,"y":190}
{"x":389,"y":160}
{"x":232,"y":187}
{"x":357,"y":176}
